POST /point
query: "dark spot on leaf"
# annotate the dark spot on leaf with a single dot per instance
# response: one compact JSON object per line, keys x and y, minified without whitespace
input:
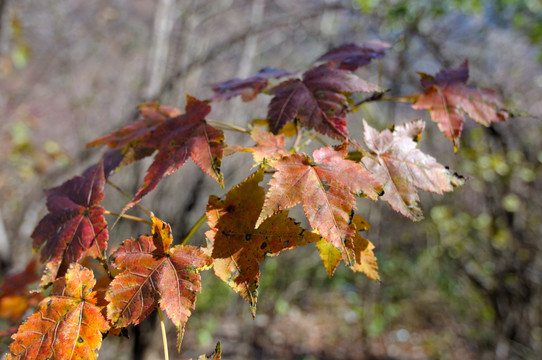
{"x":325,"y":185}
{"x":301,"y":232}
{"x":318,"y":207}
{"x":248,"y":236}
{"x":49,"y":302}
{"x":263,"y":245}
{"x":80,"y":340}
{"x":230,"y":208}
{"x":381,"y":193}
{"x":155,"y":235}
{"x":285,"y":243}
{"x":351,"y":217}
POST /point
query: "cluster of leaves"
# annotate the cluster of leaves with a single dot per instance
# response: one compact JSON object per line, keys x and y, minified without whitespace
{"x":249,"y":223}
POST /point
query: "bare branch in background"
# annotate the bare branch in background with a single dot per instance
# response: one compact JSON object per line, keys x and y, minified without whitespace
{"x":163,"y":24}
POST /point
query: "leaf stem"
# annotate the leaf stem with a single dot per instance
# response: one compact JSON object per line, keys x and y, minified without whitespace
{"x":228,"y":126}
{"x":405,"y":99}
{"x":298,"y":135}
{"x":305,"y":142}
{"x":194,"y":228}
{"x":125,"y":193}
{"x":164,"y":337}
{"x":129,"y":217}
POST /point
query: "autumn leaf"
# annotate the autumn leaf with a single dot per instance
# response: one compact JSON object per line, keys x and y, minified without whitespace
{"x":326,"y":187}
{"x":180,"y":138}
{"x":268,"y":146}
{"x":357,"y":252}
{"x":319,"y":100}
{"x":154,"y":274}
{"x":127,"y":142}
{"x":237,"y":247}
{"x":248,"y":88}
{"x":75,"y":226}
{"x":401,"y":167}
{"x":352,"y":56}
{"x":449,"y":100}
{"x":67,"y":325}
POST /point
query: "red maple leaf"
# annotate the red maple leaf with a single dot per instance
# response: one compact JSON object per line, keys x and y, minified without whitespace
{"x":237,"y":247}
{"x":352,"y":56}
{"x":401,"y":167}
{"x":449,"y":100}
{"x":127,"y":142}
{"x":248,"y":88}
{"x":327,"y":188}
{"x":154,"y":274}
{"x":319,"y":100}
{"x":75,"y":226}
{"x":67,"y":325}
{"x":180,"y":138}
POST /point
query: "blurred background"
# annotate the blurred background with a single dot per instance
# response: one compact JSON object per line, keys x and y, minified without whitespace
{"x":465,"y":283}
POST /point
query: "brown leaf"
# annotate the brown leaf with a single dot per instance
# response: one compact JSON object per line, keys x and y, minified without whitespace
{"x":237,"y":247}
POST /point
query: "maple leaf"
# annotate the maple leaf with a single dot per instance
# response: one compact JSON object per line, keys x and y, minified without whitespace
{"x":268,"y":146}
{"x":357,"y":252}
{"x":180,"y":138}
{"x":248,"y":88}
{"x":449,"y":100}
{"x":352,"y":56}
{"x":237,"y":247}
{"x":126,"y":143}
{"x":75,"y":225}
{"x":319,"y":100}
{"x":326,"y":187}
{"x":67,"y":325}
{"x":401,"y":167}
{"x":154,"y":274}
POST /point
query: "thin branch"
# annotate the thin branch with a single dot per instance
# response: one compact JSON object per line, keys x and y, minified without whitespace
{"x":234,"y":40}
{"x":127,"y":195}
{"x":164,"y":337}
{"x":194,"y":228}
{"x":227,"y":126}
{"x":129,"y":217}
